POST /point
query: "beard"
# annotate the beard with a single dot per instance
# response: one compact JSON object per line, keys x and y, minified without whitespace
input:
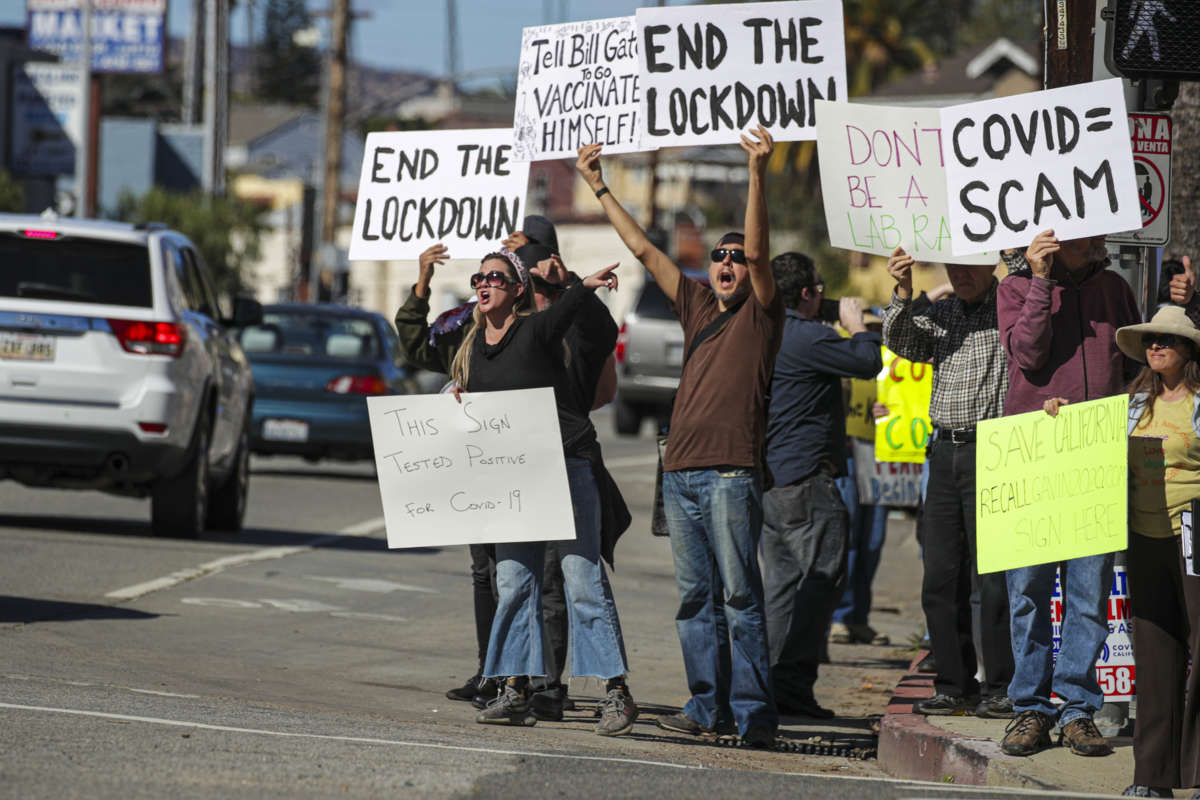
{"x":739,"y":292}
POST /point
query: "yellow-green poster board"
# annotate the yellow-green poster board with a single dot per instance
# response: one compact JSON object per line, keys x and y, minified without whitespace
{"x":860,"y":421}
{"x":1051,"y":488}
{"x":904,"y":387}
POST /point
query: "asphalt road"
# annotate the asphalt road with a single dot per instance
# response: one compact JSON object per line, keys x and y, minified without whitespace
{"x":301,"y":658}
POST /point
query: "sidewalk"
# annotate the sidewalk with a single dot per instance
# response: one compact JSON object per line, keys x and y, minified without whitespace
{"x":966,"y":750}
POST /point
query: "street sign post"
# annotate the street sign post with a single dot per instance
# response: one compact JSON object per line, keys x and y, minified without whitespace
{"x":1150,"y":135}
{"x":127,"y":35}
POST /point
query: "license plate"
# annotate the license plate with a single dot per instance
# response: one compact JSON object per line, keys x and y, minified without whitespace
{"x":26,"y":347}
{"x":674,"y":355}
{"x":285,"y":430}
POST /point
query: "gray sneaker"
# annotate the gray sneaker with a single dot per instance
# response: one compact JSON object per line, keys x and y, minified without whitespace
{"x":511,"y":707}
{"x":617,"y":713}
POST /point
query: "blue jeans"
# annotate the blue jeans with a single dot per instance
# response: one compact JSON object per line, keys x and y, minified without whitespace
{"x":868,"y":528}
{"x":518,"y":644}
{"x":715,"y":519}
{"x":1085,"y":586}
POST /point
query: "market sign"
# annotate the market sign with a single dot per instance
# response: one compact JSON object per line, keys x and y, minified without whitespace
{"x":127,"y":35}
{"x":1150,"y":135}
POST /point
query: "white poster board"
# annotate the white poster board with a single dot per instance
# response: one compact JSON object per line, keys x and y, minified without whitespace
{"x":577,"y":84}
{"x":1058,"y":159}
{"x":710,"y":72}
{"x":488,"y":469}
{"x":885,"y":483}
{"x":47,"y":118}
{"x":883,"y":180}
{"x":460,"y":187}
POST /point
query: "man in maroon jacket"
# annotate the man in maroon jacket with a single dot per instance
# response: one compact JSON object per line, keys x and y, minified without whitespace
{"x":1058,"y":321}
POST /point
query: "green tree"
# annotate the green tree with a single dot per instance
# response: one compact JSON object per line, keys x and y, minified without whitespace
{"x":287,"y":72}
{"x":226,"y":231}
{"x":12,"y":194}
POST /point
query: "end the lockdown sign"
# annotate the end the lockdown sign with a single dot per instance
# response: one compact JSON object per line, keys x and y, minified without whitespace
{"x":461,"y":188}
{"x":1048,"y":488}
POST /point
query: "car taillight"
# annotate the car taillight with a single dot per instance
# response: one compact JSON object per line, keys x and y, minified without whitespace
{"x":620,"y":351}
{"x":149,"y":338}
{"x":357,"y":384}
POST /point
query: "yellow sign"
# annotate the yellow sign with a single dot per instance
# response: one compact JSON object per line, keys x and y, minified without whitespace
{"x":904,"y":387}
{"x":1048,"y":488}
{"x":860,"y":421}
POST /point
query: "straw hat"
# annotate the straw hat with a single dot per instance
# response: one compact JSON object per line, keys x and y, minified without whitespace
{"x":1169,"y":319}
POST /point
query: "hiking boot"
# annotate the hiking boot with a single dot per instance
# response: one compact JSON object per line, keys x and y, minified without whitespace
{"x":682,"y":723}
{"x":511,"y":707}
{"x":467,"y":691}
{"x":997,"y":707}
{"x":945,"y":705}
{"x":1084,"y":739}
{"x":802,"y":706}
{"x":617,"y":712}
{"x":758,"y":736}
{"x":1142,"y":790}
{"x":1027,"y":734}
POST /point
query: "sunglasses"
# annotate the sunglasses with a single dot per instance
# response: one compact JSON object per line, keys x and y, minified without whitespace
{"x":1160,"y":339}
{"x":736,"y":256}
{"x":494,"y":279}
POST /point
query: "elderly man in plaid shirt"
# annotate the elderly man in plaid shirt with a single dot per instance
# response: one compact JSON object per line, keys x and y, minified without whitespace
{"x":959,"y":335}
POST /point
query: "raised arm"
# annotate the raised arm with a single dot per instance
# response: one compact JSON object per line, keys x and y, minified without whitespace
{"x":758,"y":244}
{"x":665,"y":273}
{"x":904,"y":333}
{"x":1023,"y":308}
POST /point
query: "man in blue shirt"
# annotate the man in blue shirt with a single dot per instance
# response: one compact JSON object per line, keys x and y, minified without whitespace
{"x":805,"y":523}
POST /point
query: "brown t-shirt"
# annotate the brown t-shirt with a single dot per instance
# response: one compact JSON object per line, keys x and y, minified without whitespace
{"x":719,"y":417}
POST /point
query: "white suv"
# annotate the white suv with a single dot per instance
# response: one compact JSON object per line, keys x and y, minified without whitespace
{"x":118,"y":373}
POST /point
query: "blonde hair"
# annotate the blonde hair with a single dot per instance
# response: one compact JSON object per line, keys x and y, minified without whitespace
{"x":460,"y":368}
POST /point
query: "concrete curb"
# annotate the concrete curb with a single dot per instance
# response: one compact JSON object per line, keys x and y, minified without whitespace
{"x":911,"y":748}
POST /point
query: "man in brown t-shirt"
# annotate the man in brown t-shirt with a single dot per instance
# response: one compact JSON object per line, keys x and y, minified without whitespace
{"x":712,"y":470}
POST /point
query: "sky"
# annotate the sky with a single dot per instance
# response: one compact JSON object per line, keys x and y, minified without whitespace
{"x":411,"y":34}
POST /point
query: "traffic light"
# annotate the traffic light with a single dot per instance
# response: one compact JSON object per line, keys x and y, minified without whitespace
{"x":1154,"y":39}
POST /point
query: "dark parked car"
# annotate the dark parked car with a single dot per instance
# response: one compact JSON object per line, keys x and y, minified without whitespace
{"x":314,"y":366}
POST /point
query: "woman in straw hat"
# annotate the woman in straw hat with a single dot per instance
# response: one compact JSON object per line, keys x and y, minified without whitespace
{"x":1164,"y":465}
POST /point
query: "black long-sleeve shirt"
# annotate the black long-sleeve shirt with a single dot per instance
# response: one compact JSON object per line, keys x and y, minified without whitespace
{"x":806,"y":422}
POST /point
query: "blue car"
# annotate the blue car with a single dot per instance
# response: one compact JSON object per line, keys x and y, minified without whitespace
{"x":314,"y":367}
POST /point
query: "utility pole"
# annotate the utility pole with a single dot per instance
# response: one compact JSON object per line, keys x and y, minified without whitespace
{"x":83,"y":155}
{"x":335,"y":113}
{"x":652,"y":200}
{"x":193,"y":64}
{"x":451,"y":42}
{"x":216,"y":95}
{"x":1069,"y":42}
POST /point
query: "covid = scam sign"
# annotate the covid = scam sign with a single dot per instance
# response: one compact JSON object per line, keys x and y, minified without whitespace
{"x":711,"y":72}
{"x":461,"y":188}
{"x":1057,"y":159}
{"x":905,"y":388}
{"x":1050,"y":489}
{"x":883,"y":181}
{"x":127,"y":35}
{"x":1150,"y":137}
{"x":488,"y":469}
{"x":1115,"y":668}
{"x":577,"y":84}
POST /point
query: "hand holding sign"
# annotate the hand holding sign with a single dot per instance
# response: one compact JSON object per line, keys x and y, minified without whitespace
{"x":900,"y":266}
{"x":588,"y":166}
{"x":758,"y":149}
{"x":1040,"y":254}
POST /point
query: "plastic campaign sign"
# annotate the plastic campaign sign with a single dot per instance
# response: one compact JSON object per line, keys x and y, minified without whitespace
{"x":1115,"y":667}
{"x":1057,"y":159}
{"x":710,"y":72}
{"x":905,"y":388}
{"x":885,"y":483}
{"x":1051,"y":488}
{"x":47,"y":119}
{"x":883,"y":180}
{"x":577,"y":84}
{"x":127,"y":35}
{"x":458,"y":187}
{"x":1150,"y":136}
{"x":488,"y":469}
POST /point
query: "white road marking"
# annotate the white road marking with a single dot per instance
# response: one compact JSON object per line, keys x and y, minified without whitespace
{"x":368,"y":616}
{"x":354,"y":739}
{"x":165,"y":694}
{"x":302,"y":606}
{"x":373,"y":585}
{"x":266,"y":554}
{"x":631,"y":461}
